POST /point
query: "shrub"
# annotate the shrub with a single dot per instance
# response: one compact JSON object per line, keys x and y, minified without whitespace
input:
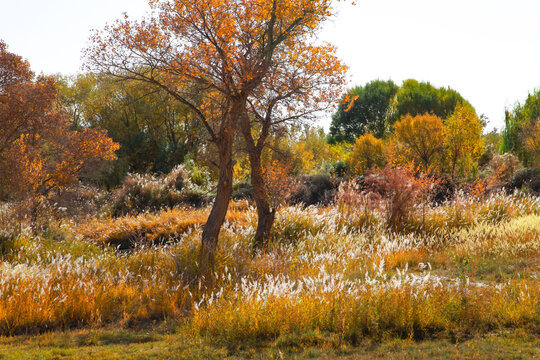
{"x":444,"y":189}
{"x":314,"y":190}
{"x":358,"y":209}
{"x":399,"y":189}
{"x":501,"y":169}
{"x":367,"y":152}
{"x":242,"y":191}
{"x":526,"y":177}
{"x":79,"y":200}
{"x":340,"y":169}
{"x":142,"y":192}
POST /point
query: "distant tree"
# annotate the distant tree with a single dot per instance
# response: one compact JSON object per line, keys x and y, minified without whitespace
{"x":493,"y":139}
{"x":463,"y":139}
{"x":519,"y":126}
{"x":363,"y":109}
{"x":533,"y":145}
{"x":155,"y":132}
{"x":492,"y":146}
{"x":311,"y":153}
{"x":418,"y":98}
{"x":421,"y":138}
{"x":368,"y":152}
{"x":39,"y":150}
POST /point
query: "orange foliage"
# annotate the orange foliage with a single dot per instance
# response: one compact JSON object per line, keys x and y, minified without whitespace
{"x":279,"y":182}
{"x":38,"y":151}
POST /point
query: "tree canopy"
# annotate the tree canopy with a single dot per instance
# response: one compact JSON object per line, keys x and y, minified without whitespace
{"x":421,"y":138}
{"x":154,"y":131}
{"x":520,"y":123}
{"x":39,"y":150}
{"x":376,"y":106}
{"x":363,"y":109}
{"x":418,"y":98}
{"x":463,"y":140}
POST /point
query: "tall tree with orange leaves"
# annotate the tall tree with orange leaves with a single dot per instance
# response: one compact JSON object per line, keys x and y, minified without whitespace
{"x":38,"y":150}
{"x":228,"y":50}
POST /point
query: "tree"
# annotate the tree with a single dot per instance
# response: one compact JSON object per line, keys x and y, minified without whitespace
{"x":155,"y":132}
{"x":225,"y":49}
{"x":463,"y":139}
{"x":519,"y":125}
{"x":418,"y":98}
{"x":533,"y":145}
{"x":311,"y":152}
{"x":422,"y":139}
{"x":368,"y":152}
{"x":38,"y":149}
{"x":363,"y":109}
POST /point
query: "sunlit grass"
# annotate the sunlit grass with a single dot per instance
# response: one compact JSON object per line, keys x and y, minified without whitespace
{"x":326,"y":271}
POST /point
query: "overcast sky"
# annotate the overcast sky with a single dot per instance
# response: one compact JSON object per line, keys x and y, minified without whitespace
{"x":488,"y":50}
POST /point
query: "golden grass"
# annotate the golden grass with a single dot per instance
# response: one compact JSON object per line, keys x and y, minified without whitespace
{"x":324,"y":271}
{"x":151,"y":228}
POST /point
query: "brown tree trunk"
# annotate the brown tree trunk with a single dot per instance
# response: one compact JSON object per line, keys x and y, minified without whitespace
{"x":217,"y":215}
{"x":265,"y":213}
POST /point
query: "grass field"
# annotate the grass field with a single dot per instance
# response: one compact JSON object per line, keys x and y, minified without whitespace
{"x":461,"y":280}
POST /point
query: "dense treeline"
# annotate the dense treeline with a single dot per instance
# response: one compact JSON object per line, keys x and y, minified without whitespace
{"x":416,"y":124}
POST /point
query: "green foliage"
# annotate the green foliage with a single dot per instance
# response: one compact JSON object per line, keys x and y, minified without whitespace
{"x":418,"y":98}
{"x":155,"y":132}
{"x":363,"y":109}
{"x":520,"y":124}
{"x":340,"y":169}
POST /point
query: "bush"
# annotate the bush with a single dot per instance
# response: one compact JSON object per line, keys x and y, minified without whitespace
{"x":340,"y":169}
{"x":444,"y":190}
{"x":526,"y":177}
{"x":314,"y":190}
{"x":146,"y":192}
{"x":400,"y":191}
{"x":242,"y":191}
{"x":501,"y":169}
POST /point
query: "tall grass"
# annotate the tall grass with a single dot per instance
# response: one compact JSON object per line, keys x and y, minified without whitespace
{"x":333,"y":269}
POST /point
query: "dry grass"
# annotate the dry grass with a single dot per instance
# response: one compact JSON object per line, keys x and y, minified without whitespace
{"x":150,"y":228}
{"x":326,"y":271}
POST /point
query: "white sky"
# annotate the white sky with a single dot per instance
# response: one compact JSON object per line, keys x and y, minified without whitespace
{"x":488,"y":50}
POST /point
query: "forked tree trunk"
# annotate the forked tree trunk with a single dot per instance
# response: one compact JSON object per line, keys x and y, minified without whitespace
{"x":216,"y":218}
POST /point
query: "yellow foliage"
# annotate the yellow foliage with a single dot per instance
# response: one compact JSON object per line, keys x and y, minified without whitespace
{"x":532,"y":144}
{"x":463,"y":139}
{"x":368,"y":152}
{"x":311,"y":153}
{"x":421,"y":138}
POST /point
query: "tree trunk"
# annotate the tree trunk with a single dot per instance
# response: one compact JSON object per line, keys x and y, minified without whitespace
{"x":216,"y":218}
{"x":265,"y":213}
